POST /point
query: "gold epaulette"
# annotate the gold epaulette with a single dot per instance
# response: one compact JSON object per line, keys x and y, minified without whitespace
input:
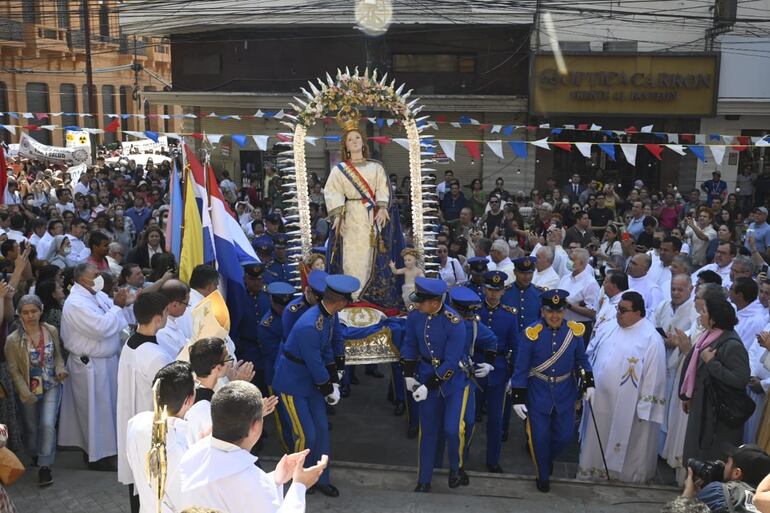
{"x":578,"y":328}
{"x":319,"y":323}
{"x":295,"y":307}
{"x":510,"y":309}
{"x":268,"y":321}
{"x":452,"y":317}
{"x":533,"y":332}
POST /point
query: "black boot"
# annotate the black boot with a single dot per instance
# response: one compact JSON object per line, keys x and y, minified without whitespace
{"x":422,"y":488}
{"x":543,"y":486}
{"x":327,"y":489}
{"x":399,"y":409}
{"x":455,"y":479}
{"x":464,"y":479}
{"x":495,"y":469}
{"x":411,"y":433}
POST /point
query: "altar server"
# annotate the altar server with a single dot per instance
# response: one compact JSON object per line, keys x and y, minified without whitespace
{"x":172,"y":337}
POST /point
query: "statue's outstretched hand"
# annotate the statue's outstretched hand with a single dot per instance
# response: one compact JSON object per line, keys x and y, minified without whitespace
{"x":382,"y":217}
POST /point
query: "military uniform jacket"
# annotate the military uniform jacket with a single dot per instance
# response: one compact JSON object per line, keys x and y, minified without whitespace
{"x":294,"y":311}
{"x":437,"y":343}
{"x":503,"y":321}
{"x":479,"y":340}
{"x":478,"y":288}
{"x":276,"y":271}
{"x":270,"y":335}
{"x":244,"y":329}
{"x":301,"y":364}
{"x":547,"y":363}
{"x":526,"y":302}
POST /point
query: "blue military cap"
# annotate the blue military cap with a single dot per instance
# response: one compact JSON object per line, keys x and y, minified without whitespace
{"x":554,"y":299}
{"x":342,"y":284}
{"x":273,"y":218}
{"x":317,"y":281}
{"x":427,"y":288}
{"x":525,"y":264}
{"x":478,"y":264}
{"x":280,"y":288}
{"x":464,"y":298}
{"x":280,"y":240}
{"x":321,"y":250}
{"x":254,"y":269}
{"x":495,"y":279}
{"x":263,"y":243}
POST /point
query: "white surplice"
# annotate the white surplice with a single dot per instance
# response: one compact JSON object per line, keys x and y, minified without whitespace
{"x":629,"y":405}
{"x":219,"y":475}
{"x":90,"y":328}
{"x":650,"y":292}
{"x":749,"y":320}
{"x":547,"y":279}
{"x":139,"y":443}
{"x":723,"y":272}
{"x":136,"y":370}
{"x":198,"y":419}
{"x":172,"y":338}
{"x":606,"y":315}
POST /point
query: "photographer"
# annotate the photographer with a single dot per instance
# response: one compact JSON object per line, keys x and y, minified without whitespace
{"x":728,"y":486}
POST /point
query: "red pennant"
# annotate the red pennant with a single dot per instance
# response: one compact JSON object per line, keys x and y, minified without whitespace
{"x":631,"y":130}
{"x":382,"y":139}
{"x":582,"y":126}
{"x":41,"y":116}
{"x":687,"y":138}
{"x":32,"y":128}
{"x":282,"y":138}
{"x":655,"y":149}
{"x":441,"y":118}
{"x":113,"y":126}
{"x":743,"y":140}
{"x":562,"y":145}
{"x":197,"y":135}
{"x":484,"y":127}
{"x":531,"y":127}
{"x":473,"y":148}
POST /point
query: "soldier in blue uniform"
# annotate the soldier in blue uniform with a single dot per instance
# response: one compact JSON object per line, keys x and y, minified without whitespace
{"x":263,"y":246}
{"x":503,"y":321}
{"x":270,"y":335}
{"x":251,"y":304}
{"x":525,"y":298}
{"x":479,"y":339}
{"x":278,"y":269}
{"x":306,"y":375}
{"x":434,"y":342}
{"x":477,"y":266}
{"x":544,"y":384}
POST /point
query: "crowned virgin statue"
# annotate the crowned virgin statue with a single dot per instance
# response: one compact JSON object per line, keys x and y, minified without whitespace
{"x":366,"y":231}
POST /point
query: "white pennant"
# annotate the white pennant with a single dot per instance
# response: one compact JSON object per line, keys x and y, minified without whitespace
{"x":280,"y":114}
{"x":595,"y":127}
{"x":728,"y":139}
{"x":390,"y":122}
{"x":94,"y":130}
{"x":673,"y":138}
{"x":404,"y":143}
{"x":135,"y":134}
{"x":260,"y":141}
{"x":678,"y":148}
{"x":448,"y":147}
{"x":629,"y":150}
{"x":259,"y":114}
{"x":545,"y":125}
{"x":214,"y":138}
{"x":56,"y":113}
{"x":718,"y":151}
{"x":762,"y":142}
{"x":474,"y":121}
{"x":496,"y":147}
{"x":455,"y":124}
{"x":212,"y":115}
{"x":372,"y":120}
{"x":88,"y":116}
{"x":647,"y":129}
{"x":28,"y":115}
{"x":433,"y":125}
{"x":584,"y":148}
{"x":542,"y":143}
{"x":569,"y":127}
{"x":700,"y":138}
{"x":311,"y":140}
{"x":10,"y":128}
{"x":113,"y":116}
{"x":50,"y":128}
{"x":191,"y":116}
{"x":496,"y":129}
{"x":173,"y":135}
{"x":140,"y":116}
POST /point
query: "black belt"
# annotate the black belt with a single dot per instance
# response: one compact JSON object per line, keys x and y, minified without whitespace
{"x":431,"y":362}
{"x":293,"y":358}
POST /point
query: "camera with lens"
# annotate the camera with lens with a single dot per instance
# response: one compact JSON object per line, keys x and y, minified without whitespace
{"x":707,"y":471}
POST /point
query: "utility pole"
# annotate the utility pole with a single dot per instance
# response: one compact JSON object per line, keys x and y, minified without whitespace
{"x":89,"y":69}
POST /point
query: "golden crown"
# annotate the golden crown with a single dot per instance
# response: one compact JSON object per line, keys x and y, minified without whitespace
{"x":348,"y":122}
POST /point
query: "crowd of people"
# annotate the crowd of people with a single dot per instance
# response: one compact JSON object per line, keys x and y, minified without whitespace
{"x":647,"y":308}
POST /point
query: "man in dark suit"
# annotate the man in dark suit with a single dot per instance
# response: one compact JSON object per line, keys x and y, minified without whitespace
{"x":573,"y":189}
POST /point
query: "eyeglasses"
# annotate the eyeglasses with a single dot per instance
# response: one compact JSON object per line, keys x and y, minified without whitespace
{"x":622,"y":310}
{"x":226,"y":361}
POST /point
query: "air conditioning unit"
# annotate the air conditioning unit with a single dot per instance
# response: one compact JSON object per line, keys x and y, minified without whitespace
{"x":725,"y":12}
{"x":620,"y":46}
{"x":575,"y":46}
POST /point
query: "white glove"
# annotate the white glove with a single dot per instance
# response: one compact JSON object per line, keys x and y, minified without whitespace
{"x":411,"y":384}
{"x":521,"y":411}
{"x":589,"y":394}
{"x":334,"y":397}
{"x":482,"y":369}
{"x":420,"y":394}
{"x":340,"y":374}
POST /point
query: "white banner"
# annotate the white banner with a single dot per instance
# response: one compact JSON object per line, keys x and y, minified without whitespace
{"x":30,"y":148}
{"x":77,"y":138}
{"x":145,"y":145}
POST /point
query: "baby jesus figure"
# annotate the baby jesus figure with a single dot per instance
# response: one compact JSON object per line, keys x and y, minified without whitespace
{"x":410,"y":271}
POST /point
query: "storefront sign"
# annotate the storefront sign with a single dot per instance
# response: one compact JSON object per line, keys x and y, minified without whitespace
{"x":638,"y":84}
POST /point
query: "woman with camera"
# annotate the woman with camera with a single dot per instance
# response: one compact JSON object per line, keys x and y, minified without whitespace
{"x":713,"y":383}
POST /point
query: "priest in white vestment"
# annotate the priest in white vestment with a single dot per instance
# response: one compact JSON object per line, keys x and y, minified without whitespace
{"x":172,"y":337}
{"x":176,"y":389}
{"x":629,"y":404}
{"x":218,"y":472}
{"x":90,"y":330}
{"x":752,"y":318}
{"x":722,"y":265}
{"x":676,"y":313}
{"x":140,"y":360}
{"x":615,"y":283}
{"x":640,"y":281}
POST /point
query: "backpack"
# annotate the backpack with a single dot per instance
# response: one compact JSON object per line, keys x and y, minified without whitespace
{"x":739,"y":497}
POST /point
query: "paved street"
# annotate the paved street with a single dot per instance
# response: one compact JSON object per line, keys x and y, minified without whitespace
{"x":375,"y":471}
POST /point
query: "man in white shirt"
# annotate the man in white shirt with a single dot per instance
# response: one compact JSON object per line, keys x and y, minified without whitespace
{"x":64,"y":202}
{"x":554,"y":237}
{"x":661,"y":271}
{"x":583,"y":290}
{"x":17,"y":225}
{"x":175,"y":392}
{"x":499,"y":260}
{"x":75,"y":234}
{"x":90,"y":329}
{"x":55,"y":227}
{"x":171,"y":338}
{"x":699,"y":234}
{"x":450,"y":269}
{"x":443,"y":187}
{"x":723,"y":263}
{"x":640,"y":281}
{"x":140,"y":359}
{"x":218,"y":472}
{"x":82,"y":186}
{"x":114,"y":257}
{"x":545,"y":276}
{"x":38,"y":231}
{"x":209,"y":360}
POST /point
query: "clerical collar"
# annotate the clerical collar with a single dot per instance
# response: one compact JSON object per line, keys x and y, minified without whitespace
{"x":203,"y":394}
{"x":137,"y":339}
